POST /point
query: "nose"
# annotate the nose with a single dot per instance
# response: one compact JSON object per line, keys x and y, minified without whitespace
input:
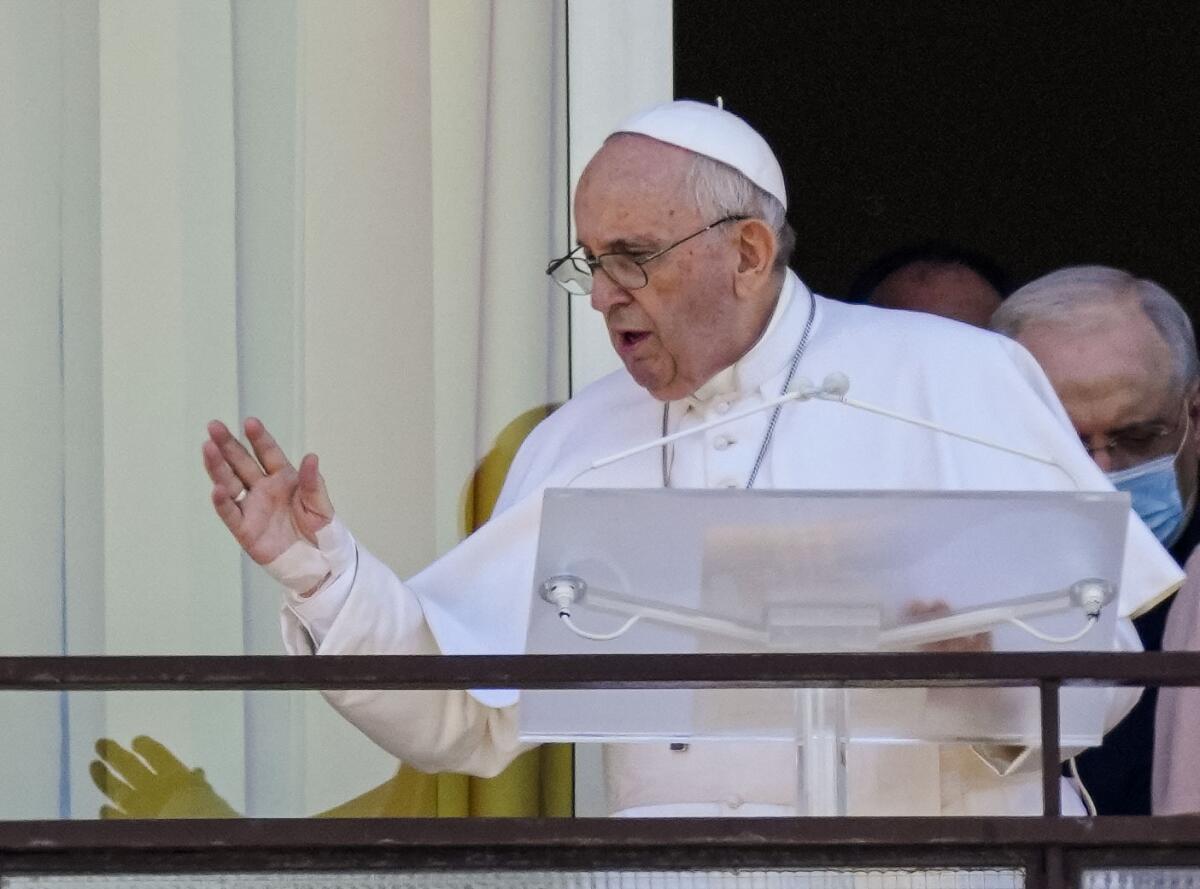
{"x":1102,"y":454}
{"x":606,"y":293}
{"x":1104,"y":460}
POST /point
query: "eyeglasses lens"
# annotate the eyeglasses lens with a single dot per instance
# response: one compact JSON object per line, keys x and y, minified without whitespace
{"x":574,"y":276}
{"x":623,"y":271}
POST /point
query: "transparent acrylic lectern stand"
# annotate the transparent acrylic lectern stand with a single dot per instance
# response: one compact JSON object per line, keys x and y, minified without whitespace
{"x":805,"y":571}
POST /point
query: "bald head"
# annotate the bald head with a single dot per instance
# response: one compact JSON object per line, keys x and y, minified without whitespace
{"x":1094,"y":298}
{"x":947,"y":289}
{"x":1109,"y":366}
{"x":1121,"y":356}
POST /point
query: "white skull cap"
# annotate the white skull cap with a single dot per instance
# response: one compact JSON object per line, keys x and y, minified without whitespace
{"x":712,"y":132}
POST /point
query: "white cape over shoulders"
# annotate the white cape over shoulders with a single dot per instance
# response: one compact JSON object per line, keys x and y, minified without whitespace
{"x":476,"y":598}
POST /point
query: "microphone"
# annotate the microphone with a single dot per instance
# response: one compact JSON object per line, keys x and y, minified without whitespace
{"x":834,"y":388}
{"x":803,"y":390}
{"x":837,"y":384}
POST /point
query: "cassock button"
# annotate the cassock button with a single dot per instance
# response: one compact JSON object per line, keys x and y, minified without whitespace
{"x":721,"y":407}
{"x":727,"y":483}
{"x":721,"y":442}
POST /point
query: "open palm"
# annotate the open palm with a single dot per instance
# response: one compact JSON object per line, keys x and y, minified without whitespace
{"x":264,"y":501}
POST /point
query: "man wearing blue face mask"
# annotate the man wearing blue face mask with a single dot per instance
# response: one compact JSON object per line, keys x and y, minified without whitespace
{"x":1155,"y":489}
{"x":1121,"y":354}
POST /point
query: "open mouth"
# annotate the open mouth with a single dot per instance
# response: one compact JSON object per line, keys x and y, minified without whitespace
{"x":630,"y":338}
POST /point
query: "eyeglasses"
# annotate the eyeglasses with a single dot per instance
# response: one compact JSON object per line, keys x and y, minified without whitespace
{"x":576,"y":271}
{"x":1134,"y":444}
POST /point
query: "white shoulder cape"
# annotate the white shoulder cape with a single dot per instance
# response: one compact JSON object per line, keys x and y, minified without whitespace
{"x":476,"y":598}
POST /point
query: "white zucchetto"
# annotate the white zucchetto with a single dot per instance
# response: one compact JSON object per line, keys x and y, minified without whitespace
{"x":715,"y":133}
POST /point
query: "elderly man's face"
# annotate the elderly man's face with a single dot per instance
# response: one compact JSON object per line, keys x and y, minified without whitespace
{"x":688,"y":322}
{"x":1112,"y":372}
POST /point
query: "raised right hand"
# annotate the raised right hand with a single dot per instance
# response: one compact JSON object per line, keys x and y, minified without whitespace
{"x":264,"y":501}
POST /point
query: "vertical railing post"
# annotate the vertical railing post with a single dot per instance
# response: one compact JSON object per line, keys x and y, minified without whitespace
{"x":1054,"y":874}
{"x":1051,"y":759}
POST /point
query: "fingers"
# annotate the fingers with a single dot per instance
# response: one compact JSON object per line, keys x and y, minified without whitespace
{"x":227,"y":511}
{"x":930,"y":610}
{"x":978,"y":642}
{"x":254,"y":506}
{"x":313,"y":493}
{"x":236,"y":457}
{"x":219,"y":470}
{"x":100,"y":775}
{"x":124,"y":763}
{"x":926,"y":609}
{"x":158,"y":757}
{"x":269,"y":454}
{"x":110,"y":785}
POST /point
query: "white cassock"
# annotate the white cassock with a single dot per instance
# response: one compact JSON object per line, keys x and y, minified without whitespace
{"x":476,"y":598}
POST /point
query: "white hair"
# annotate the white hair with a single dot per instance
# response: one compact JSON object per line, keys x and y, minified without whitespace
{"x":720,"y":190}
{"x":1065,"y":295}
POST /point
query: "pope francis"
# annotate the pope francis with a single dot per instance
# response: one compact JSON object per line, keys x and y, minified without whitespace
{"x":683,"y":246}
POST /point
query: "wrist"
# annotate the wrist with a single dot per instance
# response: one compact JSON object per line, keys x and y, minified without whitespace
{"x":304,"y":568}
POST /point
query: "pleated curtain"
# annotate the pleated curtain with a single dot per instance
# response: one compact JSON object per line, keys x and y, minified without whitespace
{"x":334,"y":216}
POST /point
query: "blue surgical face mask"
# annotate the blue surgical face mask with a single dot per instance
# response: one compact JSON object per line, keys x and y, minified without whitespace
{"x":1153,"y":487}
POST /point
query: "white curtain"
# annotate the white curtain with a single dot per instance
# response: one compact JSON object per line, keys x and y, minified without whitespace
{"x":331,"y":215}
{"x":621,"y":61}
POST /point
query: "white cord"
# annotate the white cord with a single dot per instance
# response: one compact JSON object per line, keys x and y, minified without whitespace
{"x":925,"y":424}
{"x":596,"y":637}
{"x":1059,"y":640}
{"x":1088,"y":802}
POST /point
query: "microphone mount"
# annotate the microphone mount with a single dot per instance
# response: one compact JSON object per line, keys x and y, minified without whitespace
{"x":834,"y":388}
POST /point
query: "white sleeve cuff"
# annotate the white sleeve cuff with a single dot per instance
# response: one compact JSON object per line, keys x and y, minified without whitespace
{"x":332,"y":564}
{"x":303,"y":566}
{"x":316,"y":613}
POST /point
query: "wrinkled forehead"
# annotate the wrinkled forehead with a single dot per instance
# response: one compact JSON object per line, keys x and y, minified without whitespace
{"x":1105,"y":355}
{"x":634,"y":174}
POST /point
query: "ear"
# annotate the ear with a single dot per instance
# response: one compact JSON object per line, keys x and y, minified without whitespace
{"x":1191,"y":402}
{"x":1186,"y":468}
{"x":757,"y":248}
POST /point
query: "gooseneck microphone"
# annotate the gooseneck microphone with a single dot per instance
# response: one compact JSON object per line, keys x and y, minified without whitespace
{"x":837,"y":384}
{"x":834,"y":389}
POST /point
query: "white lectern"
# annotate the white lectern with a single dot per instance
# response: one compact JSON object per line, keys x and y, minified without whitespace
{"x":689,"y":571}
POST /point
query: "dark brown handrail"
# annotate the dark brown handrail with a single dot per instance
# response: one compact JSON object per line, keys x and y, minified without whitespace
{"x":550,"y":833}
{"x":1048,"y":672}
{"x":1050,"y":849}
{"x":773,"y":670}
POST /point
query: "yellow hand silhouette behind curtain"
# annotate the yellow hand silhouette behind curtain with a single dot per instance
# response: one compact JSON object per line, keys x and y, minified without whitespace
{"x":148,"y":781}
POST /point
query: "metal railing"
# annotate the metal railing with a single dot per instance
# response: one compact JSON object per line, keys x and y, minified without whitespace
{"x":1050,"y":850}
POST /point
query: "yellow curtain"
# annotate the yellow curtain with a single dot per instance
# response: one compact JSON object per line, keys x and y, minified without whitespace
{"x":538,"y":783}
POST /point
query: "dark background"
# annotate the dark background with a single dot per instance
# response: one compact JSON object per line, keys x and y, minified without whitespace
{"x":1039,"y":134}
